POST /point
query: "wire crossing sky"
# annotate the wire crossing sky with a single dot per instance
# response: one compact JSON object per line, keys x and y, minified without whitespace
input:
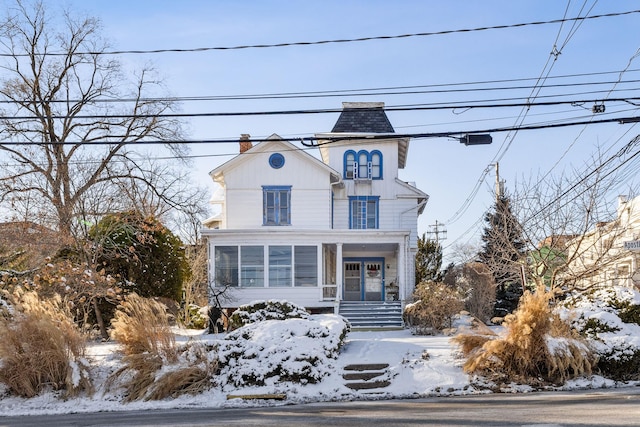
{"x":440,"y":67}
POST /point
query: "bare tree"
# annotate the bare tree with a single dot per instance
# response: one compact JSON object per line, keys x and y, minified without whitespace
{"x":73,"y":124}
{"x":573,"y":231}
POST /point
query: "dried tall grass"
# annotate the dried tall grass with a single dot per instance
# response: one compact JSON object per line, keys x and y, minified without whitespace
{"x":141,"y":325}
{"x":538,"y":347}
{"x":141,"y":380}
{"x":41,"y":347}
{"x":192,"y":379}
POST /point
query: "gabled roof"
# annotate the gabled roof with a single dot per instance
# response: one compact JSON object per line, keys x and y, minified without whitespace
{"x":363,"y":117}
{"x":272,"y":144}
{"x":413,"y":193}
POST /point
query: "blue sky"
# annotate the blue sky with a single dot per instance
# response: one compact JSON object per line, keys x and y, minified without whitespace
{"x":445,"y":169}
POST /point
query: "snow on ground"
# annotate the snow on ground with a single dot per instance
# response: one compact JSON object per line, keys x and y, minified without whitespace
{"x":419,"y":366}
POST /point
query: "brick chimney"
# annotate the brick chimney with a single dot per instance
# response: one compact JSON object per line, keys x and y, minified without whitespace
{"x":245,"y":142}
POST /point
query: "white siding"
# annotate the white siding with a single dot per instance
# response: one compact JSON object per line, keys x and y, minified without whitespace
{"x":306,"y":297}
{"x":310,"y":191}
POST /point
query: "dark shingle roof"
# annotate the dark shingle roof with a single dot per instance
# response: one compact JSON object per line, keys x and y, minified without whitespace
{"x":366,"y":117}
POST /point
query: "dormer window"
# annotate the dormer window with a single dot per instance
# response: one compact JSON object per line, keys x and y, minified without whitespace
{"x":362,"y":165}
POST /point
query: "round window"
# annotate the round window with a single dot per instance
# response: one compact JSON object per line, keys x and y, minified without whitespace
{"x":276,"y":160}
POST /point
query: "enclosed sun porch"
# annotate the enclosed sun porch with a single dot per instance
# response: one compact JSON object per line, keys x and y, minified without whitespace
{"x":309,"y":268}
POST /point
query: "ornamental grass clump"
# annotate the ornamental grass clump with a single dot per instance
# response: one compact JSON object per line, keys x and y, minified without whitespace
{"x":154,"y":367}
{"x":42,"y":348}
{"x":537,"y":347}
{"x":141,"y":325}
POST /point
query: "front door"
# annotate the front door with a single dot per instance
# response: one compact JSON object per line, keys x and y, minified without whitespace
{"x":364,"y":280}
{"x":352,"y":281}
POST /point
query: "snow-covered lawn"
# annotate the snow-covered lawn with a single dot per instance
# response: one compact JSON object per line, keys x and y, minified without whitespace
{"x":419,"y":366}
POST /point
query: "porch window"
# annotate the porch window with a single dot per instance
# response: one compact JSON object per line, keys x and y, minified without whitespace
{"x":279,"y":266}
{"x":252,"y":266}
{"x":276,"y":202}
{"x":226,"y":270}
{"x":363,"y":212}
{"x":306,"y":265}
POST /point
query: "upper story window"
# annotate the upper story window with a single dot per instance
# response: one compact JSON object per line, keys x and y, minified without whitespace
{"x":362,"y":165}
{"x":276,"y":205}
{"x":363,"y":212}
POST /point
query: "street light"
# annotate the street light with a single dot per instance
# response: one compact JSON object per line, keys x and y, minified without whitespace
{"x":482,"y":139}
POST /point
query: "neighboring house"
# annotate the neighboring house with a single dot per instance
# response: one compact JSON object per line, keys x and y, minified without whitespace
{"x":609,"y":254}
{"x":317,"y":232}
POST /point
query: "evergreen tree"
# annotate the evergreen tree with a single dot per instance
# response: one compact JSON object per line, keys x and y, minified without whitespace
{"x":502,"y":251}
{"x":428,"y":260}
{"x":143,"y":253}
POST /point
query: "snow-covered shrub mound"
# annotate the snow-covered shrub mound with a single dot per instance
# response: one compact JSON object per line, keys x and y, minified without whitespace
{"x":610,"y":319}
{"x":273,"y":351}
{"x":259,"y":311}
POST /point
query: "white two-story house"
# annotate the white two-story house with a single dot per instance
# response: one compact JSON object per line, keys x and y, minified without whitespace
{"x":290,"y":226}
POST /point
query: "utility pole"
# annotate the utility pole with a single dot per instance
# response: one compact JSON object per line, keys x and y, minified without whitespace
{"x":499,"y":185}
{"x":437,"y":230}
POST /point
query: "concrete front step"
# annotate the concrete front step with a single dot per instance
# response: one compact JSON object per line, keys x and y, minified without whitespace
{"x":366,"y":376}
{"x":372,"y":314}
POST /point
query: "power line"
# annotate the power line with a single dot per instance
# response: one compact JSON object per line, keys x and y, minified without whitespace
{"x":393,"y":90}
{"x":625,"y":150}
{"x":309,"y":141}
{"x":333,"y":41}
{"x":509,"y":139}
{"x":497,"y":103}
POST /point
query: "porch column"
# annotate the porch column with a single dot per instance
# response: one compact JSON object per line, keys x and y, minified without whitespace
{"x":402,"y":270}
{"x":339,"y":272}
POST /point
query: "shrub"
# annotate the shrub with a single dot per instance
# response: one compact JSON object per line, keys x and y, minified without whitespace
{"x":267,"y":353}
{"x":42,"y":347}
{"x":91,"y":295}
{"x":259,"y":311}
{"x":434,"y":308}
{"x":609,"y":318}
{"x":142,"y":252}
{"x":194,"y":317}
{"x":538,"y":347}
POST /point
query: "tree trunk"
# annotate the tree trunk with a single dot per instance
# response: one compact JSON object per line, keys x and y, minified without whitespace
{"x":100,"y":320}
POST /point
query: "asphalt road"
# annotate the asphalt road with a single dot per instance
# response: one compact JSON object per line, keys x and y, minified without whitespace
{"x":615,"y":407}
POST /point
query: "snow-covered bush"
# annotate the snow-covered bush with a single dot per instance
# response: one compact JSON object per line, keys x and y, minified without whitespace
{"x":259,"y":311}
{"x":268,"y":352}
{"x":194,"y":317}
{"x":610,"y":319}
